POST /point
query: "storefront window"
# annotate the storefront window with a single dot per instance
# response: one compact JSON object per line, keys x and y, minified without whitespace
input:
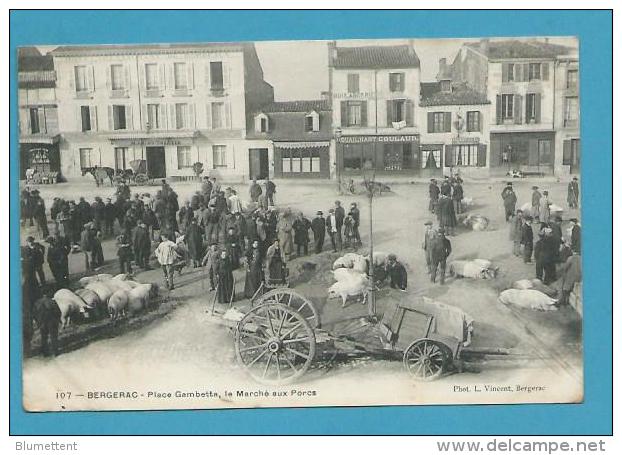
{"x":464,"y":155}
{"x":431,"y":159}
{"x":352,"y":158}
{"x":305,"y":160}
{"x":544,"y":152}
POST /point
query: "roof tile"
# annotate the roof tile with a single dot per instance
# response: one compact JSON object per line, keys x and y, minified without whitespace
{"x":401,"y":56}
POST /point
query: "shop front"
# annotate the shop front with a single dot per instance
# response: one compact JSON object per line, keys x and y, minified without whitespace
{"x":302,"y":159}
{"x":39,"y":153}
{"x":391,"y":154}
{"x":532,"y":152}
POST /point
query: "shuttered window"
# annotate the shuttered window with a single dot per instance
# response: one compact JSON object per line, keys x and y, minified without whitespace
{"x":117,"y":77}
{"x":439,"y":122}
{"x":181,"y":116}
{"x":35,"y":126}
{"x":151,"y":76}
{"x":180,"y":76}
{"x":85,"y":117}
{"x":216,"y":76}
{"x":219,"y":153}
{"x":572,"y":79}
{"x":88,"y":158}
{"x":571,"y":111}
{"x":532,"y":108}
{"x":396,"y":82}
{"x":184,"y":156}
{"x":507,"y":107}
{"x":81,"y":75}
{"x":119,"y":118}
{"x":153,"y":116}
{"x":473,"y":121}
{"x":353,"y":83}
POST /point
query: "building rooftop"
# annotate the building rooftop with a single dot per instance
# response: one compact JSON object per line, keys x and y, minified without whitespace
{"x":30,"y":59}
{"x":121,"y":49}
{"x":460,"y":95}
{"x":400,"y":56}
{"x":297,"y":106}
{"x":519,"y":49}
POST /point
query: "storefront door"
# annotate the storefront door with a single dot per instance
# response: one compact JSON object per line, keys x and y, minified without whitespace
{"x":156,"y":162}
{"x":258,"y":163}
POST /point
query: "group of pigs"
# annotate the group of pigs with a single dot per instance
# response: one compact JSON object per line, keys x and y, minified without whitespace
{"x":104,"y":294}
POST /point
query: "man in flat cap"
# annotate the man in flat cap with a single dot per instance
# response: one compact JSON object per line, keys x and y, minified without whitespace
{"x":573,"y":193}
{"x":318,"y":226}
{"x":434,"y":191}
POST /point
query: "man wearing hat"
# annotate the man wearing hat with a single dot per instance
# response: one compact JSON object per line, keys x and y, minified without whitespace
{"x":58,"y":260}
{"x":535,"y":202}
{"x":38,"y":213}
{"x":509,"y":200}
{"x":428,"y":239}
{"x":318,"y":226}
{"x":573,"y":193}
{"x":356,"y":215}
{"x":434,"y":191}
{"x":446,"y":187}
{"x":527,"y":239}
{"x":545,"y":255}
{"x":141,"y":240}
{"x":441,"y":249}
{"x":516,"y":226}
{"x":398,"y":277}
{"x":35,"y":253}
{"x":575,"y":235}
{"x":86,"y":245}
{"x":333,"y":230}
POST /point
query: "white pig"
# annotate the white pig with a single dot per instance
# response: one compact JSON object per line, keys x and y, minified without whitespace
{"x":347,"y":288}
{"x":69,"y":304}
{"x":139,"y":297}
{"x":528,"y":298}
{"x":117,"y":305}
{"x":471,"y":269}
{"x":90,"y":297}
{"x":101,"y":289}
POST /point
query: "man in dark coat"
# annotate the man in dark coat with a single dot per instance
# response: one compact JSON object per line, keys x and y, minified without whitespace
{"x":356,"y":215}
{"x":441,"y":249}
{"x":575,"y":235}
{"x":509,"y":200}
{"x":446,"y":215}
{"x":397,"y":273}
{"x":545,"y":255}
{"x":25,"y":202}
{"x":36,"y":256}
{"x":570,"y":274}
{"x":38,"y":213}
{"x":239,"y":223}
{"x":255,"y":191}
{"x":270,"y":191}
{"x":58,"y":260}
{"x":194,"y":240}
{"x":97,"y":252}
{"x":47,"y":315}
{"x":233,"y":247}
{"x":446,"y":187}
{"x":224,"y":272}
{"x":124,"y":253}
{"x":340,"y":215}
{"x":573,"y":193}
{"x":84,"y":210}
{"x":318,"y":226}
{"x":527,"y":239}
{"x":301,"y":228}
{"x":142,"y":245}
{"x":434,"y":192}
{"x":206,"y":190}
{"x":254,"y":270}
{"x":333,"y":230}
{"x":457,"y":196}
{"x":535,"y":202}
{"x":556,"y":228}
{"x":98,"y":208}
{"x":428,"y":240}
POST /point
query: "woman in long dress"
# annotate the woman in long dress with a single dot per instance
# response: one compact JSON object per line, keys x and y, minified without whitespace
{"x":224,"y":272}
{"x":254,"y":270}
{"x":275,"y":263}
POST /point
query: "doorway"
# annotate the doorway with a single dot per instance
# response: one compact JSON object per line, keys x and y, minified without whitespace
{"x":258,"y":164}
{"x":156,"y":162}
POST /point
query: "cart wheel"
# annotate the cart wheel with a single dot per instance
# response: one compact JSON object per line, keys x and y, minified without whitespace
{"x":275,"y":344}
{"x":425,"y":359}
{"x":293,"y":300}
{"x":141,"y":179}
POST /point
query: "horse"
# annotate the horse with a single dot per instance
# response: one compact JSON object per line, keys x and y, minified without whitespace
{"x":100,"y":174}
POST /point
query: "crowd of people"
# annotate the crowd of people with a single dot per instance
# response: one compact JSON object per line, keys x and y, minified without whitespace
{"x":446,"y":202}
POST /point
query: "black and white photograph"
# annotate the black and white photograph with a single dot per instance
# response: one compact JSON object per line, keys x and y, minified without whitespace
{"x":300,"y":223}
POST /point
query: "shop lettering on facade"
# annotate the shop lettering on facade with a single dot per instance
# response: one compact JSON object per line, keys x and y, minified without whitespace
{"x":465,"y":140}
{"x":354,"y":96}
{"x":148,"y":141}
{"x":383,"y":139}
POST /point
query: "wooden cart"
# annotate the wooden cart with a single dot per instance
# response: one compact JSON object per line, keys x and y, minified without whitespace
{"x":277,"y":339}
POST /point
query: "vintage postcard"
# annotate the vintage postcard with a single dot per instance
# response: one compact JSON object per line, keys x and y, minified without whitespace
{"x":300,"y":223}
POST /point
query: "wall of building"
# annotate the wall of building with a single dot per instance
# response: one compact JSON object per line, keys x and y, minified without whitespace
{"x":565,"y":131}
{"x":471,"y":67}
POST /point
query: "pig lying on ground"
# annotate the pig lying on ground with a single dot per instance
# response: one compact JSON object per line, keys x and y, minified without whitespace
{"x":535,"y":284}
{"x":139,"y":297}
{"x":477,"y":222}
{"x":528,"y":298}
{"x":117,"y":304}
{"x":349,"y":283}
{"x":69,"y":304}
{"x":476,"y":268}
{"x":346,"y":261}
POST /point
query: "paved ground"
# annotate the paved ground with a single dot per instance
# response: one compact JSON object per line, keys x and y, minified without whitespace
{"x":183,"y":348}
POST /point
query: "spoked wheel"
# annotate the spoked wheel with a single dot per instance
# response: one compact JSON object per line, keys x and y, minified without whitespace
{"x":275,"y":343}
{"x":292,"y":299}
{"x":426,"y":360}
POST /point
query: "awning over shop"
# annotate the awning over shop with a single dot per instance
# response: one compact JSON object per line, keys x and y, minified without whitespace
{"x":39,"y":139}
{"x":301,"y":145}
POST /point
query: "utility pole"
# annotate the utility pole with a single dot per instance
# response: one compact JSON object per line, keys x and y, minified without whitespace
{"x":371,"y":188}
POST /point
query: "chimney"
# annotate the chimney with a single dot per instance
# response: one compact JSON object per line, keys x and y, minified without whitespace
{"x":483,"y":46}
{"x":332,"y":52}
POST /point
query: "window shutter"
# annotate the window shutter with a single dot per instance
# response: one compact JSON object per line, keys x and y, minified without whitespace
{"x":518,"y":72}
{"x":258,"y":124}
{"x":170,"y":79}
{"x":24,"y":120}
{"x":567,"y":153}
{"x":389,"y":112}
{"x":392,"y":83}
{"x":162,"y":116}
{"x":129,"y":118}
{"x":364,"y":113}
{"x":499,"y":106}
{"x":430,"y":122}
{"x":504,"y":72}
{"x":190,"y":76}
{"x":128,"y":79}
{"x":78,"y":118}
{"x":93,"y":113}
{"x":110,"y":119}
{"x":226,"y":75}
{"x":142,"y":77}
{"x":409,"y":107}
{"x":447,"y":122}
{"x":525,"y":72}
{"x":545,"y":71}
{"x":316,"y":122}
{"x":448,"y":160}
{"x":518,"y":108}
{"x":344,"y":114}
{"x":228,"y":115}
{"x":41,"y":115}
{"x":480,"y":121}
{"x":207,"y":76}
{"x":91,"y":79}
{"x":538,"y":102}
{"x":208,"y":115}
{"x":481,"y":155}
{"x":145,"y":117}
{"x":191,"y":116}
{"x":108,"y":77}
{"x":171,"y":117}
{"x":162,"y":76}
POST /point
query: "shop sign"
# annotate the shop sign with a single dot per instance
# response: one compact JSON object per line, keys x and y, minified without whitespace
{"x":147,"y":141}
{"x":354,"y":96}
{"x":382,"y":139}
{"x":465,"y":140}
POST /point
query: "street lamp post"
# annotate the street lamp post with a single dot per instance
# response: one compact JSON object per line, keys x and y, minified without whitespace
{"x":338,"y":133}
